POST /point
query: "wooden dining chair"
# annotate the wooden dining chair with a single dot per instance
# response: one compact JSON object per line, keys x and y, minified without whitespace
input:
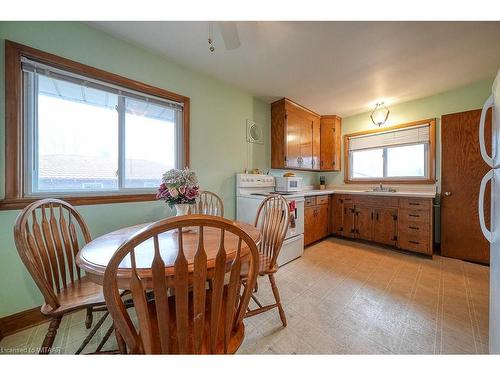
{"x":177,"y":312}
{"x":273,"y":217}
{"x":208,"y":203}
{"x":48,"y":234}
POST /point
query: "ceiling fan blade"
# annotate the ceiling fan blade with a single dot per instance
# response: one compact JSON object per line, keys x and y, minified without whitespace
{"x":229,"y":32}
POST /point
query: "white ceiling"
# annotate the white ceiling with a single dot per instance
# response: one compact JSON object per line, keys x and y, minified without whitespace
{"x":330,"y":67}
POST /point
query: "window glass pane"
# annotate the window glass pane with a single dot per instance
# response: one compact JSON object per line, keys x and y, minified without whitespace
{"x":149,"y":143}
{"x":77,"y":138}
{"x":367,"y":163}
{"x":406,"y":161}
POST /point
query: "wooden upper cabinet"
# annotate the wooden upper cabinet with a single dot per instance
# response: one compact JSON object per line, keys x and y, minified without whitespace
{"x":306,"y":143}
{"x":316,"y":138}
{"x":331,"y":133}
{"x":297,"y":138}
{"x":294,"y":134}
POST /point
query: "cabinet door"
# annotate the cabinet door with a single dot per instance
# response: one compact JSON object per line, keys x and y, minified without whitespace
{"x":385,"y":225}
{"x":316,"y":139}
{"x":330,"y":143}
{"x":364,"y":222}
{"x":337,"y":215}
{"x":322,"y":214}
{"x":306,"y":143}
{"x":293,"y":127}
{"x":348,"y":220}
{"x":337,"y":136}
{"x":327,"y":140}
{"x":309,"y":224}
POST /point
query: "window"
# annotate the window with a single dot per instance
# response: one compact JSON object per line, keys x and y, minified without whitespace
{"x":87,"y":136}
{"x":402,"y":153}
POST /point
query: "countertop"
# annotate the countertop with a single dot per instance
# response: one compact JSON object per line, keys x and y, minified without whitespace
{"x":399,"y":193}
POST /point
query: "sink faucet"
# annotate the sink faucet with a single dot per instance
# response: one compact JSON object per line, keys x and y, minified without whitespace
{"x":381,"y":187}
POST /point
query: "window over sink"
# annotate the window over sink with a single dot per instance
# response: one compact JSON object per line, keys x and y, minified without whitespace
{"x":402,"y":154}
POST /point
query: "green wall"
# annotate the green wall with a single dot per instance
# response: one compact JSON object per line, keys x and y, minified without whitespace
{"x":462,"y":99}
{"x":217,"y":140}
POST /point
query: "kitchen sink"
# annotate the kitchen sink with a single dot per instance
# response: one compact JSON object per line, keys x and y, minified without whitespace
{"x":380,"y":191}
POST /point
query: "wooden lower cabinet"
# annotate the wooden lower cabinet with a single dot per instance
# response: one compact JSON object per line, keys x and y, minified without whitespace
{"x":363,"y":226}
{"x":401,"y":222}
{"x":316,"y":218}
{"x":385,"y":226}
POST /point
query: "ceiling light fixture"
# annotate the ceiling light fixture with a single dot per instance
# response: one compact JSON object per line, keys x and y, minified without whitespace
{"x":380,"y":114}
{"x":211,"y":46}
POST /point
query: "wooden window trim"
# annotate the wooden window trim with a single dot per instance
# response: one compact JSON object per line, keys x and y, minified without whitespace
{"x":14,"y":145}
{"x":432,"y":154}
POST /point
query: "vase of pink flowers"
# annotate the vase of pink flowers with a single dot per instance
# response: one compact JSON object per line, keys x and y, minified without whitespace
{"x":179,"y":188}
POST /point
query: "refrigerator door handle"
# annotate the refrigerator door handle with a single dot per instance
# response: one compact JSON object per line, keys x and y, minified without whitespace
{"x":487,"y":158}
{"x":488,"y":176}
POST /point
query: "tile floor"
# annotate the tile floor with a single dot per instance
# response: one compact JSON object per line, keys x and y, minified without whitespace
{"x":343,"y":297}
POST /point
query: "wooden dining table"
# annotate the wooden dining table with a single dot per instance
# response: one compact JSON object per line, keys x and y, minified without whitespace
{"x":94,"y":257}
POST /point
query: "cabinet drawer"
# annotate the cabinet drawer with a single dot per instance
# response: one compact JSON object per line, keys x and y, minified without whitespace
{"x":419,"y":242}
{"x":419,"y":216}
{"x":376,"y":201}
{"x":310,"y":201}
{"x":415,"y":204}
{"x":322,"y":199}
{"x":413,"y":227}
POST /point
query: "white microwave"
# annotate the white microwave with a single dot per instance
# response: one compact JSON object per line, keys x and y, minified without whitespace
{"x":288,"y":184}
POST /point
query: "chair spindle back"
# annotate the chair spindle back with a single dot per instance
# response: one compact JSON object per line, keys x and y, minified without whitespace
{"x":205,"y":316}
{"x":208,"y":203}
{"x":48,"y":235}
{"x":273,"y":217}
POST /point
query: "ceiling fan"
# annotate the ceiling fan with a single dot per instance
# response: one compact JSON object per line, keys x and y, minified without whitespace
{"x":229,"y":32}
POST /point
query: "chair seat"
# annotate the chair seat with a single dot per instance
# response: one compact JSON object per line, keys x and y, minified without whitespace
{"x":83,"y":293}
{"x":235,"y":339}
{"x":264,"y":266}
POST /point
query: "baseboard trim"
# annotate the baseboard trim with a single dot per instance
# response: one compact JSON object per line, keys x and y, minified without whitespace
{"x":17,"y":322}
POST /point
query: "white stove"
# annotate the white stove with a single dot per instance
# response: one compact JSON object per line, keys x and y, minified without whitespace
{"x":251,"y":190}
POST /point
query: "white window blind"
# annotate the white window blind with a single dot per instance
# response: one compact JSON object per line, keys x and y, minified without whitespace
{"x":88,"y":86}
{"x":413,"y":135}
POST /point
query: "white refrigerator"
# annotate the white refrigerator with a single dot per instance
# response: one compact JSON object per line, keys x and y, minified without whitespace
{"x":493,"y":233}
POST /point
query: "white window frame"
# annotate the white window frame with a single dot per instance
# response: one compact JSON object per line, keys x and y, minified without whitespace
{"x":30,"y":125}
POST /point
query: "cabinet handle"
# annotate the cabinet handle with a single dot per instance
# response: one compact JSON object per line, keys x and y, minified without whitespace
{"x":377,"y":216}
{"x":413,"y":215}
{"x":372,"y":215}
{"x":416,"y":228}
{"x":414,"y":204}
{"x":414,"y":242}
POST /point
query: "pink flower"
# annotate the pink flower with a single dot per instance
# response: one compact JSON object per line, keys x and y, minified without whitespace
{"x":182,"y":190}
{"x":173,"y":192}
{"x":192,"y":193}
